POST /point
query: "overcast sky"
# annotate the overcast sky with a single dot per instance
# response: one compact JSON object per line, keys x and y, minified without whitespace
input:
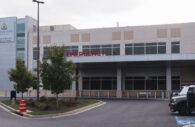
{"x":103,"y":13}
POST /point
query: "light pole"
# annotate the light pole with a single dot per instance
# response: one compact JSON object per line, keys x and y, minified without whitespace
{"x":38,"y":47}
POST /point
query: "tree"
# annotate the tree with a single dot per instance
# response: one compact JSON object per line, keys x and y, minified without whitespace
{"x":57,"y":73}
{"x":21,"y":76}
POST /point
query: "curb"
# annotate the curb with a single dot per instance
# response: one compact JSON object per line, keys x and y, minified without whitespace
{"x":58,"y":115}
{"x":11,"y":109}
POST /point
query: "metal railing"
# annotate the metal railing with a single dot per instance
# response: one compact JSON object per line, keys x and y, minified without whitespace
{"x":129,"y":94}
{"x":146,"y":94}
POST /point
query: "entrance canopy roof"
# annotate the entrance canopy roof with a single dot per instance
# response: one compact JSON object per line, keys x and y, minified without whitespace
{"x":132,"y":58}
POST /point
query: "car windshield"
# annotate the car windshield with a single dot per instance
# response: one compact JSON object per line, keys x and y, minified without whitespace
{"x":184,"y":91}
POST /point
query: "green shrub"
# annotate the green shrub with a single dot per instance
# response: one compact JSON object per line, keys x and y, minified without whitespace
{"x":31,"y":103}
{"x":43,"y":106}
{"x":68,"y":102}
{"x":43,"y":99}
{"x":51,"y":99}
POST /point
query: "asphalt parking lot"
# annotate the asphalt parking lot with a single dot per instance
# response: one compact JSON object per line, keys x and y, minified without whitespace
{"x":116,"y":113}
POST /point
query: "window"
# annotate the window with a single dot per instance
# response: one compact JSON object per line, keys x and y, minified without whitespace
{"x":74,"y":48}
{"x":106,"y":84}
{"x":145,"y":48}
{"x":99,"y":83}
{"x":151,"y":83}
{"x":139,"y":84}
{"x":20,"y":49}
{"x":20,"y":43}
{"x":116,"y":49}
{"x":86,"y":83}
{"x":175,"y":82}
{"x":69,"y":49}
{"x":161,"y":47}
{"x":162,"y":83}
{"x":129,"y":84}
{"x":151,"y":48}
{"x":21,"y":28}
{"x":139,"y":49}
{"x":86,"y":49}
{"x":35,"y":52}
{"x":45,"y":53}
{"x":175,"y":47}
{"x":143,"y":83}
{"x":20,"y":54}
{"x":128,"y":49}
{"x":107,"y":50}
{"x":20,"y":34}
{"x":95,"y":48}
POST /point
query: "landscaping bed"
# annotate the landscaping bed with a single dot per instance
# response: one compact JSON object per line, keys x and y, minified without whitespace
{"x":46,"y":106}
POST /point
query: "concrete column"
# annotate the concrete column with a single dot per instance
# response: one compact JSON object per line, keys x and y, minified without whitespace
{"x":80,"y":48}
{"x":73,"y":89}
{"x":80,"y":82}
{"x":122,"y":49}
{"x":119,"y":82}
{"x":168,"y":76}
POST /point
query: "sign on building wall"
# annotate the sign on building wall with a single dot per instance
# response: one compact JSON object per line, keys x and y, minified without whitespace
{"x":7,"y":29}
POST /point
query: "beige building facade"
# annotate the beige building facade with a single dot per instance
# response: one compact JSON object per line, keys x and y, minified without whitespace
{"x":123,"y":62}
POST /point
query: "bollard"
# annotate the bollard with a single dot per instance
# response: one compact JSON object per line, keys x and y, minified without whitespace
{"x":22,"y":107}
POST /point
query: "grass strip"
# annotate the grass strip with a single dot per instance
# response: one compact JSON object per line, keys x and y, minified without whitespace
{"x":81,"y":103}
{"x":10,"y":104}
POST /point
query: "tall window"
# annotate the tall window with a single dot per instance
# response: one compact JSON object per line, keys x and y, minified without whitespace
{"x":116,"y":49}
{"x":162,"y":83}
{"x":175,"y":47}
{"x":45,"y":53}
{"x":151,"y":83}
{"x":176,"y":83}
{"x":161,"y":47}
{"x":35,"y":52}
{"x":128,"y":49}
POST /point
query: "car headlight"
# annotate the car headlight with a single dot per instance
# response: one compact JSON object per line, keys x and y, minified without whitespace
{"x":173,"y":100}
